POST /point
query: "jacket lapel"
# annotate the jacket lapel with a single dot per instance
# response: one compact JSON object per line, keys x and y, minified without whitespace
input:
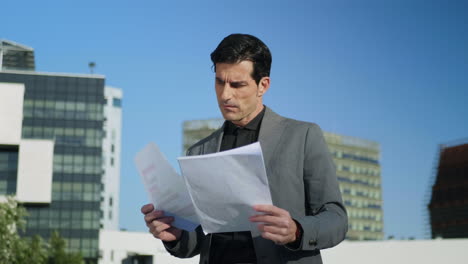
{"x":214,"y":143}
{"x":270,"y":131}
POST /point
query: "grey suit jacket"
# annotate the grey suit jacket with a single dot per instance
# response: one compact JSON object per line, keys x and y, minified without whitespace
{"x":302,"y":180}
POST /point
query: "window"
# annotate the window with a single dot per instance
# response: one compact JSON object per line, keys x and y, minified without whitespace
{"x":117,"y":102}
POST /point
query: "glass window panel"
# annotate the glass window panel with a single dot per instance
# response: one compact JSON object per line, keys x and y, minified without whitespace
{"x":87,"y":196}
{"x":49,"y":104}
{"x":28,"y":112}
{"x":69,"y":131}
{"x":70,"y":106}
{"x":79,"y":159}
{"x":28,"y":103}
{"x":39,"y":103}
{"x":66,"y":186}
{"x":87,"y":214}
{"x":68,"y":159}
{"x":79,"y":132}
{"x":88,"y":187}
{"x":60,"y":105}
{"x":68,"y":168}
{"x":77,"y":187}
{"x":48,"y":132}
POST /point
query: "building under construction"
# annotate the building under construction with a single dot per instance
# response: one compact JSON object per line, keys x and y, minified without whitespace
{"x":448,"y":207}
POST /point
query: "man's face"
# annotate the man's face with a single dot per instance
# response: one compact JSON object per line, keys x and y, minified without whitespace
{"x":239,"y":96}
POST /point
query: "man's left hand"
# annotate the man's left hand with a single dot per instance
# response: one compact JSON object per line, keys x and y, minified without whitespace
{"x":276,"y":224}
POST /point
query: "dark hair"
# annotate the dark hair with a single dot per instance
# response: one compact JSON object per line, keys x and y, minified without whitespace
{"x":240,"y":47}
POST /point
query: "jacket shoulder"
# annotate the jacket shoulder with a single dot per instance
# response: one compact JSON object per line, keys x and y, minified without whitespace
{"x":298,"y":124}
{"x":197,"y":148}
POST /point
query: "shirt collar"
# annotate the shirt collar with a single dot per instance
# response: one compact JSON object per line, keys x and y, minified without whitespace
{"x":253,"y":125}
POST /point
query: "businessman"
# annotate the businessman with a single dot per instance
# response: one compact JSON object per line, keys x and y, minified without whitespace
{"x":307,"y":212}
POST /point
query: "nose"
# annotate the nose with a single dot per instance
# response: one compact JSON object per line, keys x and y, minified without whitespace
{"x":226,"y":92}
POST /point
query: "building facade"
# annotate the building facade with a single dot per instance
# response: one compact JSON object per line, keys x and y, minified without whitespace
{"x":358,"y":171}
{"x":448,"y":207}
{"x":14,"y":56}
{"x":111,"y":148}
{"x":60,"y":152}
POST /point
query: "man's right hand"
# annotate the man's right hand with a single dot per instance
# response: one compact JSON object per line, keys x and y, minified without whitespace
{"x":160,"y":225}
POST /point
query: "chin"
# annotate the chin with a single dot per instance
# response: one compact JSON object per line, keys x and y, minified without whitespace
{"x":229,"y":116}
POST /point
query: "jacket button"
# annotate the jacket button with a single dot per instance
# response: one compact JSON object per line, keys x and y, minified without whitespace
{"x":312,"y":243}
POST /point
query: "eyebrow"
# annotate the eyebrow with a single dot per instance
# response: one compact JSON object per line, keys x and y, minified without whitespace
{"x":232,"y":82}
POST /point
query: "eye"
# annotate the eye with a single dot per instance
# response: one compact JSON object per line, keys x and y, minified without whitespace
{"x":238,"y":84}
{"x":220,"y":82}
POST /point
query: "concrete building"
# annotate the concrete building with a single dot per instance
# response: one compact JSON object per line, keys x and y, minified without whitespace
{"x":111,"y":157}
{"x":60,"y":153}
{"x":119,"y":247}
{"x":448,"y":207}
{"x":358,"y":171}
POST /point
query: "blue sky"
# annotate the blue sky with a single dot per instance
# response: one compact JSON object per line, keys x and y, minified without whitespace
{"x":390,"y":71}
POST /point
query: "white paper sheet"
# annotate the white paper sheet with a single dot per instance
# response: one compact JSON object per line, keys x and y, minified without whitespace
{"x":225,"y":185}
{"x":166,"y":189}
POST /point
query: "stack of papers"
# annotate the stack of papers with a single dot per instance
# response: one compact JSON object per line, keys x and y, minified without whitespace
{"x":216,"y":190}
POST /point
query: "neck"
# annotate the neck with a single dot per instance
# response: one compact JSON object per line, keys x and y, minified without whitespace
{"x":243,"y":122}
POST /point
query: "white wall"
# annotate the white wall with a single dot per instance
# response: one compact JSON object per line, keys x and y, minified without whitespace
{"x":35,"y":169}
{"x":11,"y":113}
{"x":453,"y":251}
{"x":450,"y":251}
{"x":111,"y":177}
{"x":121,"y":244}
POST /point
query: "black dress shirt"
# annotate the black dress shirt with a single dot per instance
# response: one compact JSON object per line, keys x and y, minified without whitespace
{"x":236,"y":247}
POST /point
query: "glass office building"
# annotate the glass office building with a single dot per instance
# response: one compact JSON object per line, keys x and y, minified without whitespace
{"x":357,"y":169}
{"x":14,"y":56}
{"x":67,"y":109}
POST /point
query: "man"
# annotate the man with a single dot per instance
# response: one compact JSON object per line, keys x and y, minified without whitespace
{"x":307,"y":215}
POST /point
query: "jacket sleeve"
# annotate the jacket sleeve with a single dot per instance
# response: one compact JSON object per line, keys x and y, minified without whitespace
{"x":188,"y":245}
{"x":326,"y":222}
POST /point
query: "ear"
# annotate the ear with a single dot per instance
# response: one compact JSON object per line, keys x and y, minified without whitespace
{"x":263,"y":86}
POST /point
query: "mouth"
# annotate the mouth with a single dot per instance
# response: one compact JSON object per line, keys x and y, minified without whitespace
{"x":229,"y":107}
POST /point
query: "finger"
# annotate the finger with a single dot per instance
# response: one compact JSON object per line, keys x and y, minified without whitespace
{"x":169,"y":234}
{"x":272,"y":220}
{"x":164,"y":220}
{"x":157,"y":227}
{"x":163,"y":226}
{"x":270,"y":209}
{"x":153,"y":216}
{"x":269,"y":219}
{"x":282,"y":231}
{"x":147,"y":208}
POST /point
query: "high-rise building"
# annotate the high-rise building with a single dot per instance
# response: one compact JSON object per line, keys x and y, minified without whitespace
{"x":14,"y":56}
{"x":358,"y":172}
{"x":448,"y":207}
{"x":60,"y":153}
{"x":111,"y":157}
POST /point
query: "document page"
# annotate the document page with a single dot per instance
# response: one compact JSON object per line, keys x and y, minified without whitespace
{"x":165,"y":187}
{"x":225,"y":185}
